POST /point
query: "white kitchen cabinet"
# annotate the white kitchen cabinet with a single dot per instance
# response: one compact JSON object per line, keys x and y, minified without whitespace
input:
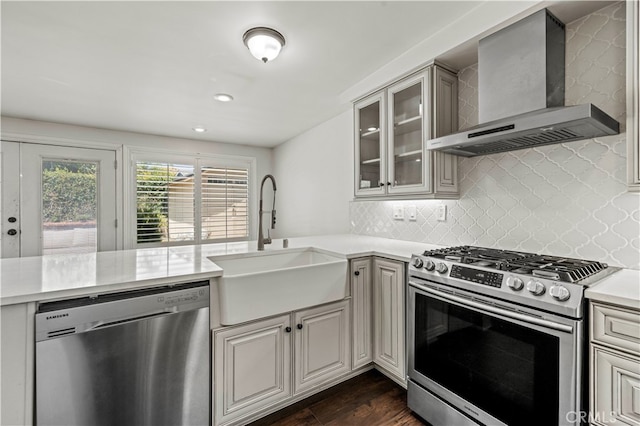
{"x":370,"y":125}
{"x":408,"y":120}
{"x":322,"y":345}
{"x":17,"y":363}
{"x":615,"y":365}
{"x":633,"y":97}
{"x":252,"y":367}
{"x":391,"y":130}
{"x":389,"y":323}
{"x":361,"y":300}
{"x":266,"y":362}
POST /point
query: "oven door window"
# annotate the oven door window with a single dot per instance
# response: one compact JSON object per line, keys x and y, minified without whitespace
{"x":508,"y":370}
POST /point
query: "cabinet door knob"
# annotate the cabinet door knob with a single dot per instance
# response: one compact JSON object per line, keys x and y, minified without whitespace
{"x":12,"y":232}
{"x":356,"y":273}
{"x":12,"y":219}
{"x":381,"y":184}
{"x":288,"y":329}
{"x":388,"y":183}
{"x":299,"y":326}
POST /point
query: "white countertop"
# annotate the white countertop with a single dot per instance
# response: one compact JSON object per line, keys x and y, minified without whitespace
{"x":352,"y":246}
{"x":621,"y":288}
{"x":42,"y":278}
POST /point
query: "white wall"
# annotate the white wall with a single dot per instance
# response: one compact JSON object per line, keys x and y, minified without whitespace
{"x":315,"y":179}
{"x":31,"y":130}
{"x":42,"y":129}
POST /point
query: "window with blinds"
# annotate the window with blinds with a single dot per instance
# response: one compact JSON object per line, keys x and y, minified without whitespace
{"x":190,"y":203}
{"x":225,"y":196}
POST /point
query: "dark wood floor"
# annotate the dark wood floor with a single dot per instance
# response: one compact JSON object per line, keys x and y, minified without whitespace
{"x":368,"y":399}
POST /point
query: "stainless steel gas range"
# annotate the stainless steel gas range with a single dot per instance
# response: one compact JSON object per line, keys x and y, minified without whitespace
{"x":497,"y":337}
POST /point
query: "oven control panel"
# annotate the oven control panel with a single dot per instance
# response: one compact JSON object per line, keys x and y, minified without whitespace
{"x":493,"y":279}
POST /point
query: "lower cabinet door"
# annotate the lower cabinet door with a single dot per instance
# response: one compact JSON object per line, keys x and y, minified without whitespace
{"x":616,"y":397}
{"x":388,"y":302}
{"x":362,"y":313}
{"x":322,"y":344}
{"x":252,"y":367}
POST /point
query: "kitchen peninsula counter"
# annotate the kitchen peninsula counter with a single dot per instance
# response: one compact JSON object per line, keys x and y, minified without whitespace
{"x":52,"y":277}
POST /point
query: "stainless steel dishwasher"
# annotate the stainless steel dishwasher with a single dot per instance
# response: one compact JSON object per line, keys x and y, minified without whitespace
{"x":140,"y":357}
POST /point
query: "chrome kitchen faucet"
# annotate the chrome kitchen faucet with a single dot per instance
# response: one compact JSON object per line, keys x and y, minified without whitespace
{"x":261,"y":240}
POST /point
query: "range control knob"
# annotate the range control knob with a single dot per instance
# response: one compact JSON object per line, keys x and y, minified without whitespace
{"x":429,"y":265}
{"x":559,"y":292}
{"x":442,"y":268}
{"x":536,"y":287}
{"x":417,"y":263}
{"x":515,"y":283}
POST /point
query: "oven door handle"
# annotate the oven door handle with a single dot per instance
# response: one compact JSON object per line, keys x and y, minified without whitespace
{"x":487,"y":308}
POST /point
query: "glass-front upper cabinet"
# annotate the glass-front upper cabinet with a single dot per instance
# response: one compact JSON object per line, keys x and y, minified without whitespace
{"x":392,"y":126}
{"x":408,"y":167}
{"x":370,"y":139}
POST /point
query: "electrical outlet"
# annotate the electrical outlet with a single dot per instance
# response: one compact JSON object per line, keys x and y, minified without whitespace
{"x":411,"y":213}
{"x":398,"y":212}
{"x":441,"y":213}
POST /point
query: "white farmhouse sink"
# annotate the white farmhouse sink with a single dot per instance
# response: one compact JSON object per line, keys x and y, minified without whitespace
{"x":258,"y":285}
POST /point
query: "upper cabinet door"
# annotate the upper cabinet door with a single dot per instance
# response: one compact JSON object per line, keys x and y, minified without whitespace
{"x":392,"y":126}
{"x":370,"y":131}
{"x":408,"y":168}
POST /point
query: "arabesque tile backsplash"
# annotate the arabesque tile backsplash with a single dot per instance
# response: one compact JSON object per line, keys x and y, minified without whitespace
{"x":567,"y":200}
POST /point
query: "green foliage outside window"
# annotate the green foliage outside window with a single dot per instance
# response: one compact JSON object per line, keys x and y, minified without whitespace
{"x":152,"y":198}
{"x":68,"y":192}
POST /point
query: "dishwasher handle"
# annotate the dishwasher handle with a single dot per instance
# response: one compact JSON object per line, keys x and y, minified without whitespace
{"x":104,"y":324}
{"x":114,"y":309}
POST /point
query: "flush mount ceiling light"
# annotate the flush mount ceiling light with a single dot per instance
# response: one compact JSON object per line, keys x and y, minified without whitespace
{"x":223,"y":97}
{"x":199,"y":129}
{"x":263,"y":43}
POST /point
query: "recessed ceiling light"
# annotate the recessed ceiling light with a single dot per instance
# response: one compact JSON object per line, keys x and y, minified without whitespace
{"x":199,"y":129}
{"x":223,"y":97}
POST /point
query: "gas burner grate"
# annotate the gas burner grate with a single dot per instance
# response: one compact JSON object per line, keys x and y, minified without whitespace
{"x":562,"y":268}
{"x":481,"y":256}
{"x":543,"y":266}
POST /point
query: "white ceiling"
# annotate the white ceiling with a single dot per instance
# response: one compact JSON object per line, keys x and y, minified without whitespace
{"x":153,"y":67}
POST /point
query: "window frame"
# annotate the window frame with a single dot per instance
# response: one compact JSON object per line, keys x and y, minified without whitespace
{"x":197,"y":161}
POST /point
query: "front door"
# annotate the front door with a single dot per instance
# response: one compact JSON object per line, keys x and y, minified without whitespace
{"x":57,"y":200}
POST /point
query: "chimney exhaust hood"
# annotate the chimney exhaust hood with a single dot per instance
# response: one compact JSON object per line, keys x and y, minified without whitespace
{"x":521,"y":94}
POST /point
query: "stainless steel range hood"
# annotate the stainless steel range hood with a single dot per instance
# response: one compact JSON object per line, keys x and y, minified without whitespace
{"x":521,"y":94}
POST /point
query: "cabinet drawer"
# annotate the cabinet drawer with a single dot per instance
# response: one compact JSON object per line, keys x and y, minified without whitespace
{"x":616,"y":399}
{"x":616,"y":327}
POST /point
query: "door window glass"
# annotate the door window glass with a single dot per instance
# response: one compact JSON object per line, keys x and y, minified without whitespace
{"x":69,"y":207}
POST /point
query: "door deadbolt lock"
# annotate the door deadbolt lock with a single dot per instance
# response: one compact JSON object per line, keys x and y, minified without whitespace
{"x":12,"y":232}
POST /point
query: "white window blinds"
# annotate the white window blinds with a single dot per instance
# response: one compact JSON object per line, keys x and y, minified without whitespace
{"x":189,"y":203}
{"x":225,"y":195}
